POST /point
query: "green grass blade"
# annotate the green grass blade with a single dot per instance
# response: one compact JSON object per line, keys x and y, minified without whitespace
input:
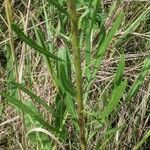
{"x":60,"y":110}
{"x":33,"y":96}
{"x":138,"y":82}
{"x":28,"y":110}
{"x":104,"y":45}
{"x":110,"y":35}
{"x":33,"y":44}
{"x":120,"y":71}
{"x":113,"y":130}
{"x":64,"y":72}
{"x":70,"y":104}
{"x":58,"y":6}
{"x":101,"y":50}
{"x":10,"y":72}
{"x":89,"y":28}
{"x":65,"y":82}
{"x":47,"y":60}
{"x":136,"y":23}
{"x":102,"y":34}
{"x":146,"y":136}
{"x":107,"y":134}
{"x":114,"y":100}
{"x":68,"y":66}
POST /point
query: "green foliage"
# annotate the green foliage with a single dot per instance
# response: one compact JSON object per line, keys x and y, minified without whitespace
{"x":64,"y":72}
{"x":104,"y":43}
{"x":133,"y":26}
{"x":33,"y":44}
{"x":33,"y":97}
{"x":138,"y":82}
{"x":29,"y":110}
{"x":109,"y":36}
{"x":58,"y":6}
{"x":146,"y":136}
{"x":73,"y":60}
{"x":114,"y":100}
{"x":120,"y":71}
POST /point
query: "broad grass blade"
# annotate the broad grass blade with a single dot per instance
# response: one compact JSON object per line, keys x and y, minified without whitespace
{"x":11,"y":75}
{"x":110,"y":35}
{"x":114,"y":100}
{"x":33,"y":44}
{"x":70,"y":105}
{"x":65,"y":82}
{"x":107,"y":134}
{"x":102,"y":34}
{"x":33,"y":96}
{"x":28,"y":110}
{"x":64,"y":72}
{"x":60,"y":110}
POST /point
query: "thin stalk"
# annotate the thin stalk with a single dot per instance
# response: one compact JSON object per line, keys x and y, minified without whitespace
{"x":78,"y":71}
{"x":21,"y":66}
{"x":146,"y":136}
{"x":24,"y":46}
{"x":88,"y":38}
{"x":8,"y":10}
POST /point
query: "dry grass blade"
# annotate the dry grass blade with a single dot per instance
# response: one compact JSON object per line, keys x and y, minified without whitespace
{"x":79,"y":72}
{"x":49,"y":134}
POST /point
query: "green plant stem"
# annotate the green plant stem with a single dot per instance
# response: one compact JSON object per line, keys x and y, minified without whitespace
{"x":8,"y":10}
{"x":147,"y":135}
{"x":78,"y":71}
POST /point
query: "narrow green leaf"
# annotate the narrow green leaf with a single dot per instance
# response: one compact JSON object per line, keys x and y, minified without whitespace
{"x":107,"y":133}
{"x":113,"y":130}
{"x":68,"y":66}
{"x":102,"y":34}
{"x":110,"y":35}
{"x":47,"y":60}
{"x":146,"y":136}
{"x":114,"y":100}
{"x":133,"y":26}
{"x":32,"y":107}
{"x":11,"y":75}
{"x":138,"y":82}
{"x":33,"y":96}
{"x":82,"y":17}
{"x":33,"y":44}
{"x":88,"y":30}
{"x":58,"y":6}
{"x":101,"y":50}
{"x":60,"y":110}
{"x":65,"y":82}
{"x":120,"y":71}
{"x":28,"y":110}
{"x":64,"y":72}
{"x":63,"y":54}
{"x":89,"y":26}
{"x":70,"y":104}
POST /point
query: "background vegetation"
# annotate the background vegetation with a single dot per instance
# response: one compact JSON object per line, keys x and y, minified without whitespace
{"x":74,"y":74}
